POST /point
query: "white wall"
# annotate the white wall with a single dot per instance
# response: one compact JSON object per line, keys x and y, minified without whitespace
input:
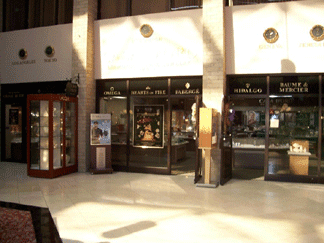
{"x":174,"y":49}
{"x":58,"y":67}
{"x":247,"y":52}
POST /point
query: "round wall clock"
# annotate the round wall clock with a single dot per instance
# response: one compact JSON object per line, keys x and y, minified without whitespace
{"x":49,"y":51}
{"x":146,"y":30}
{"x":271,"y":35}
{"x":317,"y":33}
{"x":22,"y":53}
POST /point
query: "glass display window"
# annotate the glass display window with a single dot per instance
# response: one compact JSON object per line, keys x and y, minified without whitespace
{"x":148,"y":132}
{"x":247,"y":122}
{"x":293,"y":135}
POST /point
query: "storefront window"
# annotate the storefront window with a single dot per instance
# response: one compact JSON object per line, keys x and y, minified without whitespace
{"x":117,"y":107}
{"x":293,"y":125}
{"x":293,"y":136}
{"x":148,"y":132}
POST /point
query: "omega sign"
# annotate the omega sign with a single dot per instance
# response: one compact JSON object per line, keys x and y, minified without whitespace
{"x":112,"y":91}
{"x":247,"y":90}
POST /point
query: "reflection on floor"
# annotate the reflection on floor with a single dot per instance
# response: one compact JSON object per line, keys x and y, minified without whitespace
{"x":139,"y":208}
{"x":184,"y":166}
{"x":247,"y":174}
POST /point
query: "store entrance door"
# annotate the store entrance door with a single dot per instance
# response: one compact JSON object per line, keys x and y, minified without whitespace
{"x":184,"y":124}
{"x":14,"y":146}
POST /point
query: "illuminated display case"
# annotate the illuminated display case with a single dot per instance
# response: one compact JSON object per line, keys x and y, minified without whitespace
{"x":51,"y":135}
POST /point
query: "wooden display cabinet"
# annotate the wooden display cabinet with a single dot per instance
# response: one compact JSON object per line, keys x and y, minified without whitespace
{"x":51,"y":135}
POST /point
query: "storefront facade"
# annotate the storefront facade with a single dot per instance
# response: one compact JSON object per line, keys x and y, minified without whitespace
{"x":274,"y":122}
{"x":239,"y":66}
{"x":272,"y":113}
{"x":158,"y":134}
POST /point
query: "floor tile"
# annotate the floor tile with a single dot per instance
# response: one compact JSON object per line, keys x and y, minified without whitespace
{"x":135,"y":207}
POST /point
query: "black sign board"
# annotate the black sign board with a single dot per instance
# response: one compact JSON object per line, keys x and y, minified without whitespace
{"x":186,"y":86}
{"x":111,"y":88}
{"x":247,"y":85}
{"x":20,"y":90}
{"x":294,"y":85}
{"x":72,"y":89}
{"x":148,"y":87}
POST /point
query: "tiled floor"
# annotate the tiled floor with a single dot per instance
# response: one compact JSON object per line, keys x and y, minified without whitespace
{"x":130,"y":207}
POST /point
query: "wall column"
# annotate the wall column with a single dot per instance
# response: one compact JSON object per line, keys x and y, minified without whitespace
{"x":214,"y":75}
{"x":84,"y":15}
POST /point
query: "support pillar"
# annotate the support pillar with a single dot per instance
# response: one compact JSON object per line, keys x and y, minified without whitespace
{"x":84,"y":15}
{"x":214,"y":74}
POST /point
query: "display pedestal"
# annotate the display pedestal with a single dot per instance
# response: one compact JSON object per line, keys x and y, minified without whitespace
{"x":299,"y":163}
{"x":101,"y":160}
{"x":206,"y":179}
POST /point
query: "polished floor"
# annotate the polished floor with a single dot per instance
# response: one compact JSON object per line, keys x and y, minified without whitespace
{"x":133,"y":207}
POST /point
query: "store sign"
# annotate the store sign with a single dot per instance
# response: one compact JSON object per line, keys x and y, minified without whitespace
{"x":148,"y":126}
{"x":112,"y":92}
{"x":244,"y":86}
{"x":297,"y":87}
{"x":294,"y":85}
{"x":72,"y":89}
{"x":149,"y":87}
{"x":248,"y":90}
{"x":111,"y":88}
{"x":186,"y":86}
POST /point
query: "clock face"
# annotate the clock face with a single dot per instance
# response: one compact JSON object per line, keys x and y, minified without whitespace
{"x":49,"y":51}
{"x":146,"y":30}
{"x":271,"y":35}
{"x":317,"y":33}
{"x":22,"y":53}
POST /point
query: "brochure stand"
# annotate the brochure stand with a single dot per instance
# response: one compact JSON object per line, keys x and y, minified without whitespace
{"x":100,"y":144}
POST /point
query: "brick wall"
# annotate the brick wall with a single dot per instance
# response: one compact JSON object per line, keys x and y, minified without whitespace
{"x":214,"y":67}
{"x":84,"y":14}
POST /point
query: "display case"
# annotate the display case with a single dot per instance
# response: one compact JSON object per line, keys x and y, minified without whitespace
{"x":51,"y":135}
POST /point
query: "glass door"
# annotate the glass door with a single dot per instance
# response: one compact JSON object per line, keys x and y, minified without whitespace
{"x":184,"y":133}
{"x":246,"y":117}
{"x":70,"y":133}
{"x":117,"y":107}
{"x":13,"y":133}
{"x":39,"y":135}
